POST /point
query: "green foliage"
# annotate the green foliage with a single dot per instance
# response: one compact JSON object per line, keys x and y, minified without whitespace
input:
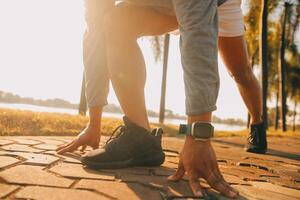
{"x":276,"y":9}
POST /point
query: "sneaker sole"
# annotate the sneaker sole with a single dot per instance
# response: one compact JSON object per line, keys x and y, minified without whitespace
{"x":148,"y":159}
{"x":258,"y":151}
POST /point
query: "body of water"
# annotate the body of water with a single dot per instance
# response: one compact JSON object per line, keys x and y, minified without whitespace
{"x":218,"y":126}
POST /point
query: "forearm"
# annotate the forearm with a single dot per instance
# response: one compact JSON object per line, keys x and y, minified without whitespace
{"x":95,"y":115}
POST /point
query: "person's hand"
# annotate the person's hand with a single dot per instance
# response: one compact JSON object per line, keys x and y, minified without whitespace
{"x":90,"y":136}
{"x":198,"y":160}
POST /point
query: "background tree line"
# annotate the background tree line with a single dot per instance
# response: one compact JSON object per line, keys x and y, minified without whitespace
{"x":272,"y":27}
{"x":273,"y":43}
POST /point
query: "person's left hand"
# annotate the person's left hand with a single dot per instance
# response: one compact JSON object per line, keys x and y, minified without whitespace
{"x":90,"y":136}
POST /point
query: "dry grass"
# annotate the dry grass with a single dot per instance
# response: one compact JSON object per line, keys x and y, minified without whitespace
{"x":17,"y":122}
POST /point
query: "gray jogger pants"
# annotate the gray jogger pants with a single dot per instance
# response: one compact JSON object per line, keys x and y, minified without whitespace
{"x":94,"y":53}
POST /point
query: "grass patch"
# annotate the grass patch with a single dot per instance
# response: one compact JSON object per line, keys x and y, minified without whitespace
{"x":22,"y":123}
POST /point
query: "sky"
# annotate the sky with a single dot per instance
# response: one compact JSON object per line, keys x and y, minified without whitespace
{"x":41,"y":57}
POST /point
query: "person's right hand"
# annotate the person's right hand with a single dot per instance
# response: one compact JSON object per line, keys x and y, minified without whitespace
{"x":90,"y":136}
{"x":198,"y":160}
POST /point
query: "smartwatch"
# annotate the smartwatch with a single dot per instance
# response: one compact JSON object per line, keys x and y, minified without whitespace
{"x":198,"y":130}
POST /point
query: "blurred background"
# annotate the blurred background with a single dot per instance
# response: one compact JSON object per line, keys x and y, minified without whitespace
{"x":41,"y":66}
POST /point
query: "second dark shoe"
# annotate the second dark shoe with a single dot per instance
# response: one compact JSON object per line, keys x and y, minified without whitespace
{"x":132,"y":146}
{"x":257,"y":140}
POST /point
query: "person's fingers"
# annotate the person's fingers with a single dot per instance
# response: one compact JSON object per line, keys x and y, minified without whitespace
{"x":70,"y":148}
{"x":178,"y":174}
{"x":216,"y":182}
{"x":83,"y":148}
{"x":195,"y":184}
{"x":64,"y":146}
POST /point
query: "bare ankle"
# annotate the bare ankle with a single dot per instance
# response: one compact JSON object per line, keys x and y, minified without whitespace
{"x":256,"y":121}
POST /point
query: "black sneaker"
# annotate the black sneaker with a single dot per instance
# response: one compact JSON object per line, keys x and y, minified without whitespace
{"x":257,"y":140}
{"x":132,"y":146}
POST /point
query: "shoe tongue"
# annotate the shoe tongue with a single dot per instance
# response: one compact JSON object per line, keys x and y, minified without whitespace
{"x":128,"y":123}
{"x":258,"y":126}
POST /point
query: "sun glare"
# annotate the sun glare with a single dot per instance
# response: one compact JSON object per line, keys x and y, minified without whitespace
{"x":41,"y":57}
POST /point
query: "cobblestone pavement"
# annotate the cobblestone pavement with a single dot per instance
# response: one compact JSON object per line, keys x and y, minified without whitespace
{"x":30,"y":169}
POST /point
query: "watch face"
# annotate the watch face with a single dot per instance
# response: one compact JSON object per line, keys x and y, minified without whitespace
{"x":202,"y":130}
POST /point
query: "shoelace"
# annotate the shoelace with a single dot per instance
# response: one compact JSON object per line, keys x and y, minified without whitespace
{"x":253,"y":135}
{"x":121,"y":130}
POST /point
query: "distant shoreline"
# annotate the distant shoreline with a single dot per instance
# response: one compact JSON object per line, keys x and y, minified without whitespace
{"x":10,"y":98}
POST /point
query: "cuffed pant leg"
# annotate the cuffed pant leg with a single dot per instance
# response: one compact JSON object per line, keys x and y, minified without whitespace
{"x":198,"y":24}
{"x":94,"y":53}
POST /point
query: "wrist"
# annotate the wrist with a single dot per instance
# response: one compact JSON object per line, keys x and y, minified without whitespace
{"x":191,"y":139}
{"x":95,"y":128}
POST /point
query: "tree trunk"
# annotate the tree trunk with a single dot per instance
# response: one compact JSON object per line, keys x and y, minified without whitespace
{"x":264,"y":57}
{"x":294,"y":116}
{"x":82,"y":104}
{"x":276,"y":111}
{"x":164,"y":79}
{"x":282,"y":71}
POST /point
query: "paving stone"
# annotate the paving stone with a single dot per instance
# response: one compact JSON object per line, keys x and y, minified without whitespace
{"x":234,"y":179}
{"x":172,"y":144}
{"x":20,"y":147}
{"x":6,"y":189}
{"x":261,"y":163}
{"x":277,"y":189}
{"x":49,"y":147}
{"x":3,"y":153}
{"x":171,"y":154}
{"x":244,"y":173}
{"x":174,"y":160}
{"x":5,"y":142}
{"x":37,"y":192}
{"x":277,"y":172}
{"x":51,"y":141}
{"x":284,"y":182}
{"x":33,"y":175}
{"x":164,"y":171}
{"x":26,"y":141}
{"x":290,"y":173}
{"x":135,"y":170}
{"x":179,"y":189}
{"x":250,"y":192}
{"x":214,"y":195}
{"x":172,"y":189}
{"x":38,"y":159}
{"x":119,"y":190}
{"x":79,"y":171}
{"x":33,"y":158}
{"x":6,"y":161}
{"x":170,"y":165}
{"x":52,"y":152}
{"x":69,"y":159}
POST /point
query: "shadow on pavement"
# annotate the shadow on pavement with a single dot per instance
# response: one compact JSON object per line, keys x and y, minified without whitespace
{"x":272,"y":152}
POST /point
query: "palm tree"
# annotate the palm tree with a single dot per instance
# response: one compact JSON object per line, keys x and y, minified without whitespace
{"x":264,"y":56}
{"x":159,"y":43}
{"x":164,"y":79}
{"x":282,"y":70}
